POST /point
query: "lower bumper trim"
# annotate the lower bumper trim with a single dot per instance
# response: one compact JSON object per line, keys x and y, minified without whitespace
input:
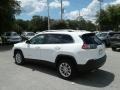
{"x":92,"y":64}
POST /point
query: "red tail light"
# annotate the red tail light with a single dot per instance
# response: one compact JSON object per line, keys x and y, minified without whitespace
{"x":89,"y":46}
{"x":86,"y":46}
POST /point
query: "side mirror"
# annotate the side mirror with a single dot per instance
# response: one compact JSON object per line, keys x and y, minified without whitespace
{"x":28,"y":42}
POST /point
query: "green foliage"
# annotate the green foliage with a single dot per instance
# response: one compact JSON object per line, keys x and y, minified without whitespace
{"x":59,"y":25}
{"x":8,"y":10}
{"x":110,"y":18}
{"x":81,"y":25}
{"x":40,"y":23}
{"x":21,"y":25}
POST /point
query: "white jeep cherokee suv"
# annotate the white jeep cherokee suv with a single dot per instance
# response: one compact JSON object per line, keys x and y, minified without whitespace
{"x":69,"y":51}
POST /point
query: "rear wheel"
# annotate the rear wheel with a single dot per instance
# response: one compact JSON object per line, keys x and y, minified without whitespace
{"x":19,"y":59}
{"x":66,"y":69}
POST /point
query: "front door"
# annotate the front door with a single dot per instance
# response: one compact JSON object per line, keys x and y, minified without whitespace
{"x":32,"y":49}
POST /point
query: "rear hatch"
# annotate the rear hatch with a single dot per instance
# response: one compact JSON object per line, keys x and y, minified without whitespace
{"x":93,"y":46}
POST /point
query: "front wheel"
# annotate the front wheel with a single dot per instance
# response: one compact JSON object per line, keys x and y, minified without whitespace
{"x":66,"y":69}
{"x":19,"y":59}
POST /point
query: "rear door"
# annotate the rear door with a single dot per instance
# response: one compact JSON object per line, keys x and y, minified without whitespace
{"x":33,"y":49}
{"x":53,"y":45}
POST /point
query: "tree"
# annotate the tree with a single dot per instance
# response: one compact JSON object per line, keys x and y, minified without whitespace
{"x":59,"y":24}
{"x":81,"y":24}
{"x":8,"y":10}
{"x":38,"y":23}
{"x":90,"y":26}
{"x":21,"y":25}
{"x":109,"y":18}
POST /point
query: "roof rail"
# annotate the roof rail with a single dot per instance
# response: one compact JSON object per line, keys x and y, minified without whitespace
{"x":60,"y":30}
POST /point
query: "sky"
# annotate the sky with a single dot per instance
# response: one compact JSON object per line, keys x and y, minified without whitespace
{"x":72,"y":8}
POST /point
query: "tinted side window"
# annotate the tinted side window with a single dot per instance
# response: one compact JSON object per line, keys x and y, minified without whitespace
{"x":66,"y":39}
{"x":58,"y":39}
{"x":39,"y":39}
{"x":52,"y":39}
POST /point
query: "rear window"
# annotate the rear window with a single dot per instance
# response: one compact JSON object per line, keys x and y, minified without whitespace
{"x":91,"y":38}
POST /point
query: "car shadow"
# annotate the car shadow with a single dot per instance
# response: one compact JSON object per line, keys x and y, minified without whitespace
{"x":5,"y":48}
{"x":41,"y":67}
{"x":99,"y":78}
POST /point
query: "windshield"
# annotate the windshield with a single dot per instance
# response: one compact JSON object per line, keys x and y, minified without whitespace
{"x":14,"y":34}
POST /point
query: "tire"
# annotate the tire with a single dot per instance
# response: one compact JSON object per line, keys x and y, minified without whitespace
{"x":19,"y":58}
{"x":66,"y":69}
{"x":113,"y":48}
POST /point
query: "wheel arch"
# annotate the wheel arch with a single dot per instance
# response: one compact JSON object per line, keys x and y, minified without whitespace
{"x":62,"y":56}
{"x":17,"y":50}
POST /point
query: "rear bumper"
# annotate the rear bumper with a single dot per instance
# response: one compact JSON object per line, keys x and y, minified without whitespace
{"x":92,"y":64}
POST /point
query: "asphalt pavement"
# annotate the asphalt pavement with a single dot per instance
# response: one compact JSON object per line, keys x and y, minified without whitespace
{"x":33,"y":76}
